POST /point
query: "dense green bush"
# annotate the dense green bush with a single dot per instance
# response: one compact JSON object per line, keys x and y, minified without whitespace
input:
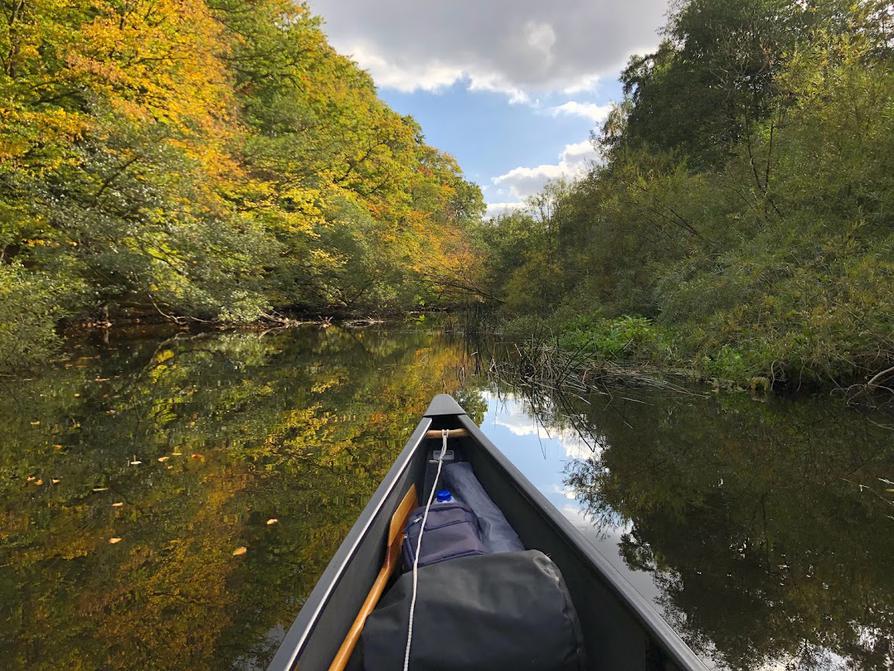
{"x":620,"y":338}
{"x":30,"y":305}
{"x":751,"y":239}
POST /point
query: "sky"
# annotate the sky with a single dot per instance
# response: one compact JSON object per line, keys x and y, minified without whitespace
{"x":510,"y":88}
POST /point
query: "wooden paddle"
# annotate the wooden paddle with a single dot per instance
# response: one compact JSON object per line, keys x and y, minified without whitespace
{"x":392,"y":557}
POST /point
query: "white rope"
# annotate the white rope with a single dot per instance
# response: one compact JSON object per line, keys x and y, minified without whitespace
{"x":431,"y":496}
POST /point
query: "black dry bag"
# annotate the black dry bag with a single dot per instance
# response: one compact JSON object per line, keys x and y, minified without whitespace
{"x":505,"y":611}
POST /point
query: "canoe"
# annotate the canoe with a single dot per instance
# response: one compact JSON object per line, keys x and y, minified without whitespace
{"x":622,"y":630}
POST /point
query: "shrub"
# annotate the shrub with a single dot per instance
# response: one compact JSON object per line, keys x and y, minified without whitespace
{"x":30,"y":305}
{"x":619,"y":338}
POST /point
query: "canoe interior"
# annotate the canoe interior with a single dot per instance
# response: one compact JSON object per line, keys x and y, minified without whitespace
{"x":621,"y":630}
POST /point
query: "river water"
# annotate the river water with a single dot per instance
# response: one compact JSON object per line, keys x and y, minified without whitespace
{"x":168,"y":501}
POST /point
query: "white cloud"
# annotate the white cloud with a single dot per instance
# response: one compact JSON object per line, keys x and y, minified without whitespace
{"x":541,"y":37}
{"x":519,"y":47}
{"x":522,"y":182}
{"x":496,"y":209}
{"x":585,"y":84}
{"x":429,"y":76}
{"x":496,"y":84}
{"x":579,"y":154}
{"x":595,"y":113}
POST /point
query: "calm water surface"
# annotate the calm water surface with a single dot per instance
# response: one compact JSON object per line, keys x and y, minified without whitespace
{"x":167,"y":502}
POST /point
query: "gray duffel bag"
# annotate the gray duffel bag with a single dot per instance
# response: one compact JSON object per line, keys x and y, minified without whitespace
{"x":505,"y":611}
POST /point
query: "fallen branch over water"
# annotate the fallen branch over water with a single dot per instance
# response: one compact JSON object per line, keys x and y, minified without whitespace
{"x":879,"y":382}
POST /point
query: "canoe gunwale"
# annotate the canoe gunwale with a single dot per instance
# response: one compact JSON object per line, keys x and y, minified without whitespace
{"x":301,"y":629}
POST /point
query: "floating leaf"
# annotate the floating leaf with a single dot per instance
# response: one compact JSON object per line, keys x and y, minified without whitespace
{"x":117,"y":504}
{"x":197,"y":456}
{"x":163,"y":459}
{"x":177,"y":453}
{"x":36,"y":422}
{"x":272,"y":521}
{"x":101,"y":379}
{"x":38,"y":482}
{"x":57,"y":446}
{"x":100,"y":489}
{"x":56,"y":481}
{"x":115,"y":539}
{"x":31,"y":478}
{"x":238,"y":552}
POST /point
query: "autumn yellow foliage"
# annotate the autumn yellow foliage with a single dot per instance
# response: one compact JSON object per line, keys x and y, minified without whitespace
{"x":208,"y":160}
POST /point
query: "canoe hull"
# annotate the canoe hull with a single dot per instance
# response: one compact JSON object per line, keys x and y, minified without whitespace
{"x":621,"y":629}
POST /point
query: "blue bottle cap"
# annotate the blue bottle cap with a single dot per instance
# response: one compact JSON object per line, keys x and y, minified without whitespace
{"x":443,"y":495}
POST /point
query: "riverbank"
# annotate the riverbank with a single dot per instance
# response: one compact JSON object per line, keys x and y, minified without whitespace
{"x":583,"y":352}
{"x":24,"y":350}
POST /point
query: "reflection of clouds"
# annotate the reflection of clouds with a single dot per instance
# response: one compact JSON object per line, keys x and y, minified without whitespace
{"x":813,"y":657}
{"x":577,"y":517}
{"x":565,"y":491}
{"x":621,"y":540}
{"x":511,"y":414}
{"x":576,"y":447}
{"x":516,"y":420}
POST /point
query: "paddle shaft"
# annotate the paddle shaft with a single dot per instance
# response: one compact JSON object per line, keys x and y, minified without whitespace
{"x":392,"y":554}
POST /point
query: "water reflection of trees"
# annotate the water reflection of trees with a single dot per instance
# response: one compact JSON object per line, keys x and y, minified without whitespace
{"x":231,"y":431}
{"x":753,"y":520}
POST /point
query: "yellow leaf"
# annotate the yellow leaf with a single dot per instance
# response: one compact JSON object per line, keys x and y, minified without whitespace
{"x":238,"y":552}
{"x":56,"y":481}
{"x":115,"y":539}
{"x":272,"y":521}
{"x":36,"y":422}
{"x":117,"y":504}
{"x":163,"y":459}
{"x":38,"y":482}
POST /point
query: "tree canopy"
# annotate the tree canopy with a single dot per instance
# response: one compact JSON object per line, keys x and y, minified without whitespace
{"x":209,"y":159}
